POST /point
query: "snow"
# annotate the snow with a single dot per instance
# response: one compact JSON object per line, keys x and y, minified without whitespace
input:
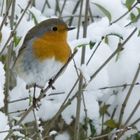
{"x":79,"y":42}
{"x":63,"y":136}
{"x":3,"y":125}
{"x":18,"y":134}
{"x":111,"y":6}
{"x":5,"y":33}
{"x":53,"y":132}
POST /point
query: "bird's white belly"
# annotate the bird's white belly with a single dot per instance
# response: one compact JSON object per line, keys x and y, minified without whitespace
{"x":40,"y":73}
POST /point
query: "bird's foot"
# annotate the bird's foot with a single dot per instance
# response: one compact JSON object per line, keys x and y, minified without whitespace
{"x":36,"y":103}
{"x":51,"y":84}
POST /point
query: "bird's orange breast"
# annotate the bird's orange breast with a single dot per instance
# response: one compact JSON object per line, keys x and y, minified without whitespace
{"x":52,"y":45}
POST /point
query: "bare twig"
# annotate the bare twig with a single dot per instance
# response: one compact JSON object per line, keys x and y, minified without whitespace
{"x":119,"y":48}
{"x":128,"y":95}
{"x":78,"y":108}
{"x":51,"y":123}
{"x":12,"y":14}
{"x":18,"y":129}
{"x":6,"y":15}
{"x":119,"y":86}
{"x":132,"y":113}
{"x":135,"y":122}
{"x":19,"y":100}
{"x":17,"y":111}
{"x":74,"y":11}
{"x":86,"y":115}
{"x":63,"y":6}
{"x":110,"y":134}
{"x":124,"y":14}
{"x":46,"y":3}
{"x":2,"y":7}
{"x":94,"y":52}
{"x":37,"y":126}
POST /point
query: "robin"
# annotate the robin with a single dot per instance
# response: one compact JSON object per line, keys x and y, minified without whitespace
{"x":44,"y":52}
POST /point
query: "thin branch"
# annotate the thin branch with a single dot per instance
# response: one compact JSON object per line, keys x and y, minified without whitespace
{"x":17,"y":111}
{"x":119,"y":48}
{"x":37,"y":126}
{"x":119,"y":86}
{"x":128,"y":95}
{"x":132,"y":113}
{"x":78,"y":108}
{"x":110,"y":134}
{"x":46,"y":3}
{"x":113,"y":113}
{"x":2,"y":7}
{"x":94,"y":52}
{"x":135,"y":122}
{"x":63,"y":6}
{"x":86,"y":115}
{"x":74,"y":11}
{"x":18,"y":100}
{"x":6,"y":15}
{"x":18,"y":129}
{"x":51,"y":123}
{"x":124,"y":14}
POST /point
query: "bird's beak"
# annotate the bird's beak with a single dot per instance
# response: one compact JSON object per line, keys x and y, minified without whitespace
{"x":70,"y":28}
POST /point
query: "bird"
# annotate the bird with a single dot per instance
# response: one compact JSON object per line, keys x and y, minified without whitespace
{"x":44,"y":52}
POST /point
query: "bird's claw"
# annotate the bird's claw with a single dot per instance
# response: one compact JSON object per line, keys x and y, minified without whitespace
{"x":36,"y":103}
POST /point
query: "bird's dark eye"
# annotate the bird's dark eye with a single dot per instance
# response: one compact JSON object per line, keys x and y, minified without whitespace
{"x":54,"y":28}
